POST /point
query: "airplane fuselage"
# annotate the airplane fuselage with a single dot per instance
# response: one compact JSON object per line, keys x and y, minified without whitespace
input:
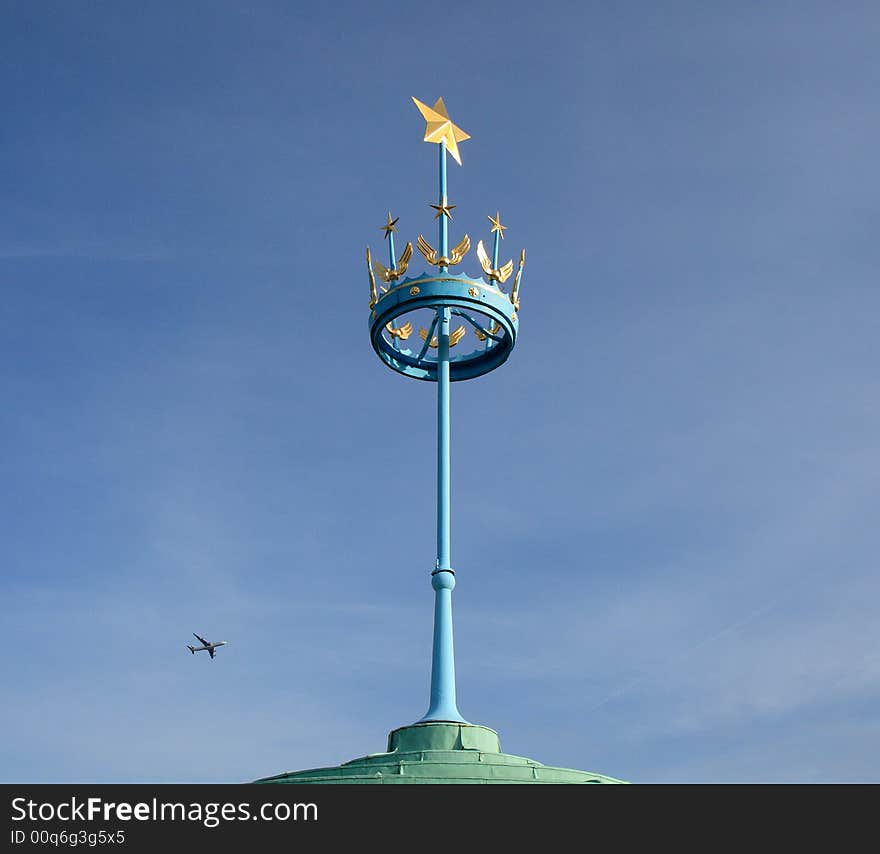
{"x":209,"y":647}
{"x":206,"y":645}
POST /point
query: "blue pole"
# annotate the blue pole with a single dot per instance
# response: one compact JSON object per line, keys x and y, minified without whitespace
{"x":392,"y":260}
{"x":443,"y":706}
{"x":443,"y":498}
{"x":392,"y":263}
{"x":444,"y":233}
{"x":494,"y":267}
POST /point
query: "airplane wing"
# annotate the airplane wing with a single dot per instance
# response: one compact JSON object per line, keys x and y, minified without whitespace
{"x":211,"y":651}
{"x":202,"y":641}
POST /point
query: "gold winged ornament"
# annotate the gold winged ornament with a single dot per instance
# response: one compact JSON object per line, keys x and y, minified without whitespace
{"x":481,"y":336}
{"x":401,"y":332}
{"x":514,"y":294}
{"x":374,"y":296}
{"x":502,"y":274}
{"x":458,"y":252}
{"x":454,"y":337}
{"x":389,"y":276}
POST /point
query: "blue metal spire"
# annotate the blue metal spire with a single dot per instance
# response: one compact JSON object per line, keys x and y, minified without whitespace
{"x":484,"y":306}
{"x":444,"y":226}
{"x":392,"y":256}
{"x":443,"y":705}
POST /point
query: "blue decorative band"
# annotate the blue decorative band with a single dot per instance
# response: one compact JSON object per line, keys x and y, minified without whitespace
{"x":464,"y":296}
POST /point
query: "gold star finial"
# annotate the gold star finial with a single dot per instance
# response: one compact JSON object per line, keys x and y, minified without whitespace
{"x":439,"y":127}
{"x":443,"y":209}
{"x":390,"y":225}
{"x":496,"y":225}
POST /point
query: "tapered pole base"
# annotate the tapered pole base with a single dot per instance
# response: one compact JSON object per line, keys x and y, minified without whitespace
{"x":443,"y":706}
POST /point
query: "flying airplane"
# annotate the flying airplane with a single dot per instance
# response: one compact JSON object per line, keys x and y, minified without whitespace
{"x":205,"y":645}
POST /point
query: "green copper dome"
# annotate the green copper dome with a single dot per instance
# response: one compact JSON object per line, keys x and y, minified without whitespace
{"x":441,"y":752}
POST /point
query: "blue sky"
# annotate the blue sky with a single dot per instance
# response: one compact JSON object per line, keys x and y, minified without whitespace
{"x":665,"y":505}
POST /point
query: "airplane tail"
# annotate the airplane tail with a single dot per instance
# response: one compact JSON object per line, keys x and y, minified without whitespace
{"x":192,"y":649}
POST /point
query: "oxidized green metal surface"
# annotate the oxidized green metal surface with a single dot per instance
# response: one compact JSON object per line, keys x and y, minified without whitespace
{"x":438,"y":752}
